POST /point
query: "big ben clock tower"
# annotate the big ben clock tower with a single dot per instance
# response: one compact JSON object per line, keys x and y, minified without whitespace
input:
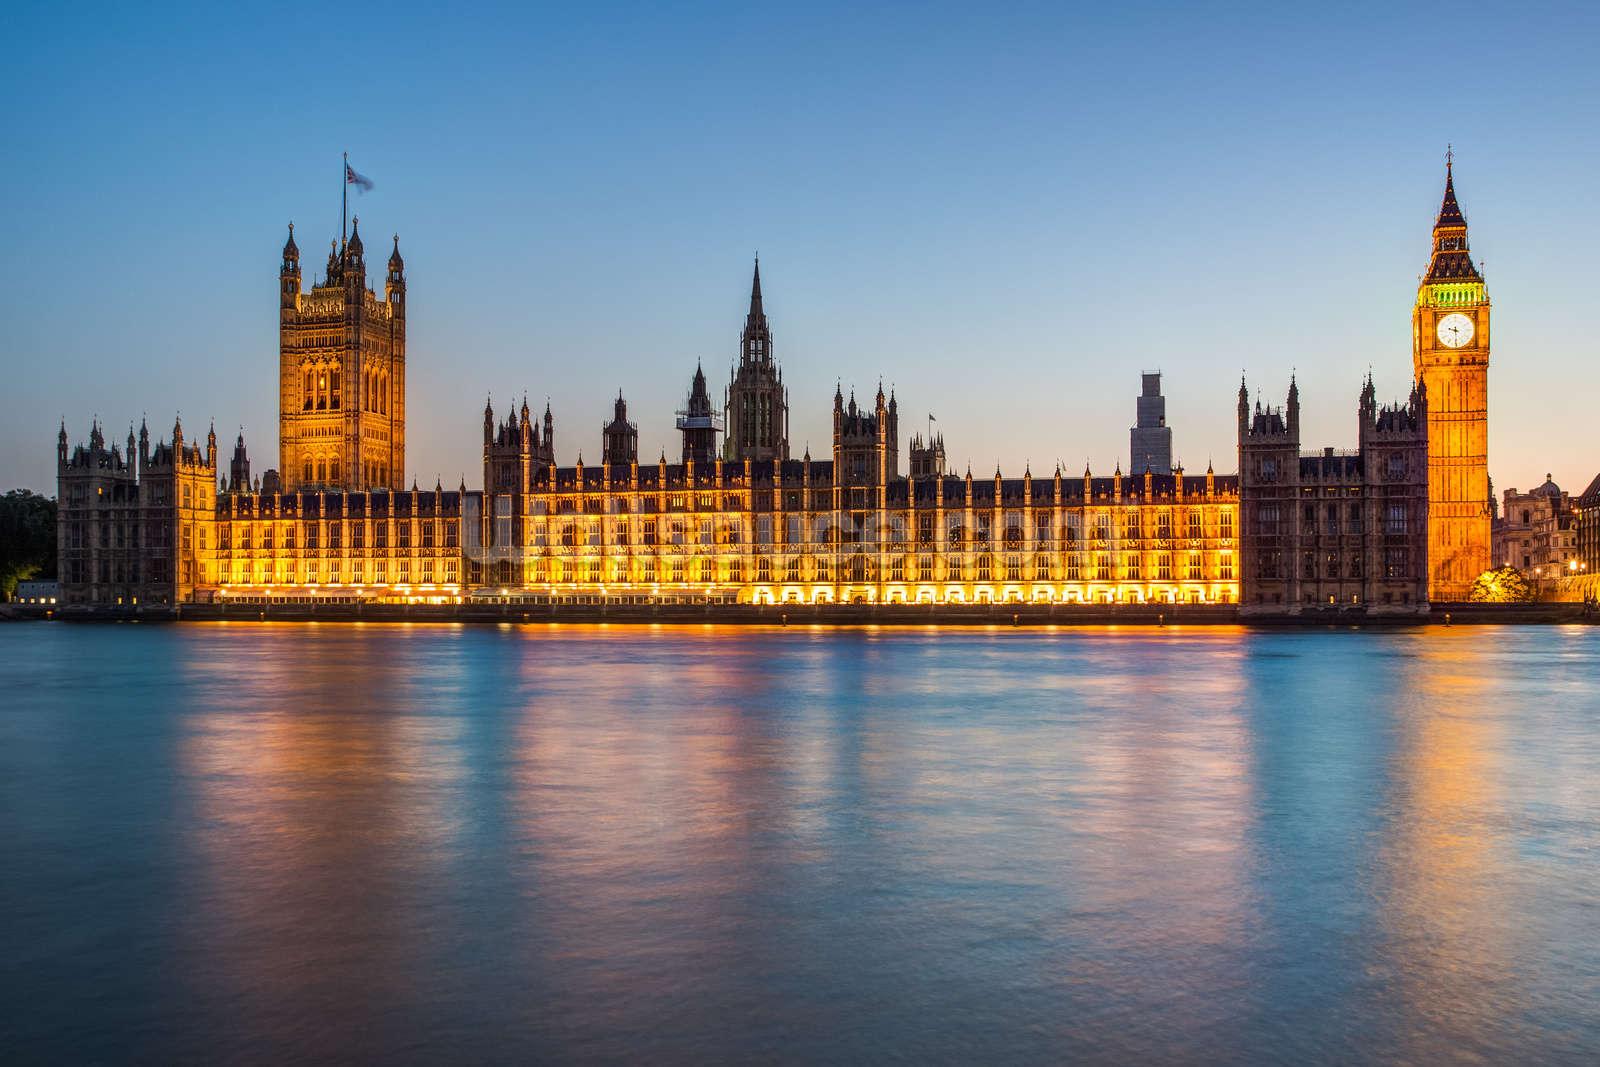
{"x":1450,"y":348}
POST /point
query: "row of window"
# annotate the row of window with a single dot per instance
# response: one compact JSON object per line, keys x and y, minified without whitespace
{"x":1042,"y":567}
{"x":340,"y":572}
{"x":1334,"y":566}
{"x":855,"y":528}
{"x":1327,"y":519}
{"x":428,"y":534}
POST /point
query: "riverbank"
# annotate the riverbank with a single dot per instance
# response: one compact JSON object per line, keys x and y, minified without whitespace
{"x":805,"y":614}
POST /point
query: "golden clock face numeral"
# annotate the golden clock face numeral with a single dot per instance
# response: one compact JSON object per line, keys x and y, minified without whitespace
{"x":1455,"y":330}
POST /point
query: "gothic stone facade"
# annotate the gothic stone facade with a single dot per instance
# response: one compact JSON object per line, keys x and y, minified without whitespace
{"x":135,"y":526}
{"x":341,"y":373}
{"x":1331,"y":532}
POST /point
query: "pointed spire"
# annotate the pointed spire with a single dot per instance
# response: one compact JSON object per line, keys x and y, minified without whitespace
{"x":756,"y":312}
{"x":396,"y":263}
{"x":291,"y":251}
{"x":1450,"y":209}
{"x":1451,"y":261}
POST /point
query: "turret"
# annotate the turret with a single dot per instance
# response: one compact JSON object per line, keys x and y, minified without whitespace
{"x":1244,"y":408}
{"x":394,"y":286}
{"x":549,"y":441}
{"x":211,"y":446}
{"x":289,"y":273}
{"x":355,"y":262}
{"x":239,"y":468}
{"x":698,"y":423}
{"x":61,"y":444}
{"x":488,"y":422}
{"x":1292,"y":411}
{"x":144,"y":444}
{"x":620,"y":437}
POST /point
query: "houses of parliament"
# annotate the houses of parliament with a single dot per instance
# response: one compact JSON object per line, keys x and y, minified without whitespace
{"x":733,"y":517}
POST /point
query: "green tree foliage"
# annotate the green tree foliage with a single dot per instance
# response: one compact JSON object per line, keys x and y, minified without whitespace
{"x":27,"y":539}
{"x":1503,"y":585}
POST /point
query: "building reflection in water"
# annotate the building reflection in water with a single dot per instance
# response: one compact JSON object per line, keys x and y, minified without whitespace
{"x":326,"y":802}
{"x":1449,"y":877}
{"x":605,"y":842}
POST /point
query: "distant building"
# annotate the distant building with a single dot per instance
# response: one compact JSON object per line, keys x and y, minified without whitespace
{"x":1331,"y":531}
{"x":38,"y":592}
{"x":1150,"y":440}
{"x":1537,"y":532}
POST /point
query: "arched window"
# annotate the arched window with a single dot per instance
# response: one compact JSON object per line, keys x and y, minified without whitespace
{"x":309,"y":395}
{"x":307,"y":477}
{"x":333,"y":470}
{"x":322,"y":470}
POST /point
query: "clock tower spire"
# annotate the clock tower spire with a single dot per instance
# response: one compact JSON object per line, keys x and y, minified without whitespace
{"x":1450,"y":351}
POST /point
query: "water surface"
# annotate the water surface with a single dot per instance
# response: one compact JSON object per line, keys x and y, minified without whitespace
{"x":253,"y":843}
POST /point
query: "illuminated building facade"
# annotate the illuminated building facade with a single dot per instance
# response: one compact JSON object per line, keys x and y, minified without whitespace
{"x":850,"y":530}
{"x":1329,"y":530}
{"x":341,"y":373}
{"x":1450,"y":346}
{"x":737,"y":520}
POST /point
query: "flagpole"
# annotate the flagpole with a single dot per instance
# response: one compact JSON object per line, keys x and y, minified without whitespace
{"x":344,"y":197}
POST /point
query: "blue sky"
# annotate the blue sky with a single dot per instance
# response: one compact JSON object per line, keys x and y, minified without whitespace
{"x":1006,"y":214}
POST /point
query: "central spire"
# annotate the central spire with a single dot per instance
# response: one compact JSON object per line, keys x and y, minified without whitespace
{"x":756,"y":346}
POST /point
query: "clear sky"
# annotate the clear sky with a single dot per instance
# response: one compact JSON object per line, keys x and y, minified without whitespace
{"x":1006,"y":215}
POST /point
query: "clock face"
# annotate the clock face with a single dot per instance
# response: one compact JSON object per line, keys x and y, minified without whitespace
{"x":1455,"y":330}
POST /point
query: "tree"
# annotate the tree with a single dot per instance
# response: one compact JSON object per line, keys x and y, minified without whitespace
{"x":1503,"y":585}
{"x":27,"y":539}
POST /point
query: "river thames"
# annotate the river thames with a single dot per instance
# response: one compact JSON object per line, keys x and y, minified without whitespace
{"x":264,"y":842}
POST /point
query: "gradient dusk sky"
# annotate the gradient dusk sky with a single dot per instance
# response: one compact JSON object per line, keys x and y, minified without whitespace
{"x":1006,"y":214}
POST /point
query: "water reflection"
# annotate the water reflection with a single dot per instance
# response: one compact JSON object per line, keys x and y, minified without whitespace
{"x":418,"y":843}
